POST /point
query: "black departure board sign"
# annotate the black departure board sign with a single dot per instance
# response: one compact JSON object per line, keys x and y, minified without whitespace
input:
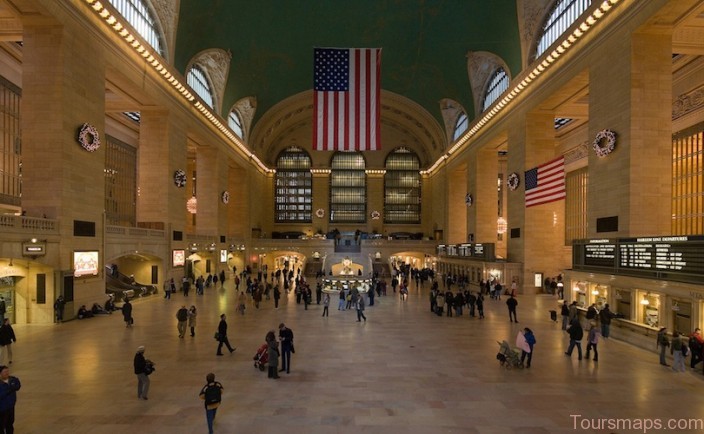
{"x":482,"y":251}
{"x":679,"y":258}
{"x":668,"y":254}
{"x":600,"y":253}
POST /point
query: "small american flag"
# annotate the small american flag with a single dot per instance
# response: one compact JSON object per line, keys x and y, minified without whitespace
{"x":545,"y":183}
{"x":346,"y":99}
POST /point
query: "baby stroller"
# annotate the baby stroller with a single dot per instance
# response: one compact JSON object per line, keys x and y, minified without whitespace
{"x":262,"y":357}
{"x":508,"y":357}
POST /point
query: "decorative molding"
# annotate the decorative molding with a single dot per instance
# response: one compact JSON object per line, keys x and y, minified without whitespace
{"x":480,"y":67}
{"x":167,"y":15}
{"x":688,"y":102}
{"x":531,"y":14}
{"x":247,"y":108}
{"x":577,"y":153}
{"x":450,"y":110}
{"x":216,"y":63}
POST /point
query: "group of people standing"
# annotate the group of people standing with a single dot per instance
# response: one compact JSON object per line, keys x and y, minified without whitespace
{"x":273,"y":353}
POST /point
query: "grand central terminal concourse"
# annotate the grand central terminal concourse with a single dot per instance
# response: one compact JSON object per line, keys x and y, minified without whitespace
{"x":463,"y":216}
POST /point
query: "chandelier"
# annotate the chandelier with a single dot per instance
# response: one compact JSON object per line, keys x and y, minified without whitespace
{"x":501,"y":225}
{"x":191,"y":205}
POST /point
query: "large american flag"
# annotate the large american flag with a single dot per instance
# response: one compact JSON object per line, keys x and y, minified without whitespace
{"x":346,"y":99}
{"x":545,"y":183}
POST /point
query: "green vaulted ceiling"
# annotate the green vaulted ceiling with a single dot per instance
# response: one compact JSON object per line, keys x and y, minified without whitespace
{"x":424,"y":43}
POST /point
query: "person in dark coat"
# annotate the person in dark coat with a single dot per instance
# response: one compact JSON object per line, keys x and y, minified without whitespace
{"x":7,"y":337}
{"x":127,"y":312}
{"x":605,"y":317}
{"x":140,"y":370}
{"x":286,"y":337}
{"x":576,"y":334}
{"x":222,"y":336}
{"x":512,"y":303}
{"x":9,"y":386}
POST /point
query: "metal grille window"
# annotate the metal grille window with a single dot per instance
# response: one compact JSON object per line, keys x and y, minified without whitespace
{"x":293,"y":198}
{"x":198,"y":81}
{"x":497,"y":85}
{"x":402,"y":187}
{"x":137,"y":13}
{"x":576,"y":183}
{"x":10,"y":147}
{"x":348,"y":188}
{"x":688,"y":181}
{"x":460,"y":126}
{"x":235,"y":123}
{"x":120,"y":183}
{"x":563,"y":15}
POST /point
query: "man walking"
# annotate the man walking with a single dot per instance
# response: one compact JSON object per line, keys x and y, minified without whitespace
{"x":140,"y":370}
{"x":9,"y":386}
{"x":127,"y":312}
{"x":512,"y":303}
{"x":286,"y":338}
{"x":576,"y":334}
{"x":211,"y":394}
{"x":222,"y":336}
{"x":360,"y":308}
{"x":59,"y":308}
{"x":182,"y":317}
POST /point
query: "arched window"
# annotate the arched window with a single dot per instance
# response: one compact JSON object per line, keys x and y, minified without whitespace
{"x":402,"y":187}
{"x":497,"y":85}
{"x":234,"y":121}
{"x":199,"y":83}
{"x":563,"y":15}
{"x":348,"y":188}
{"x":460,"y":126}
{"x":137,"y":13}
{"x":293,"y":198}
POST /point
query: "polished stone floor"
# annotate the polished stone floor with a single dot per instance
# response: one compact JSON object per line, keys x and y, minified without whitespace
{"x":403,"y":371}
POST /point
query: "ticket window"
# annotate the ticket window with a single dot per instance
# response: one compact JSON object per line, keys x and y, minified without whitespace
{"x":649,"y":309}
{"x":598,"y":295}
{"x":682,"y":317}
{"x":623,"y":303}
{"x":579,"y":293}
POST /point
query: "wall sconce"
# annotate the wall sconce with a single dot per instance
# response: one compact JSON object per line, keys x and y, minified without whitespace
{"x":645,"y":301}
{"x":595,"y":291}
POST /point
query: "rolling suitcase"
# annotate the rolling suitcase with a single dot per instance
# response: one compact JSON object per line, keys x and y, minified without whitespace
{"x":553,"y":315}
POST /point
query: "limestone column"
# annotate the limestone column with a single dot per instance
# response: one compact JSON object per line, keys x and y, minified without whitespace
{"x":375,"y":201}
{"x":630,"y":93}
{"x":63,"y":87}
{"x":211,"y":170}
{"x":455,"y":192}
{"x":321,"y":200}
{"x":162,"y":151}
{"x":538,"y":239}
{"x":482,"y":175}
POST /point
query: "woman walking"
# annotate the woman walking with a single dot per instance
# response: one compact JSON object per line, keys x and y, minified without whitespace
{"x":192,"y":320}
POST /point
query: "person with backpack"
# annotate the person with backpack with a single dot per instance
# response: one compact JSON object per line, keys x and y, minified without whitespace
{"x":211,"y":394}
{"x":662,"y":342}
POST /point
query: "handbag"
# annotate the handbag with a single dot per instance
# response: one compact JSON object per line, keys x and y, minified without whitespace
{"x":217,"y":336}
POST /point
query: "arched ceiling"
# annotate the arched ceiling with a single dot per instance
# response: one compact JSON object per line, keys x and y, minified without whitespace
{"x":424,"y":42}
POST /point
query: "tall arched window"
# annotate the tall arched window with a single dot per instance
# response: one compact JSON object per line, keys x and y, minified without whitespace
{"x":348,"y":188}
{"x":402,"y":187}
{"x":293,"y":198}
{"x":497,"y":85}
{"x":234,"y":121}
{"x":562,"y":16}
{"x":460,"y":126}
{"x":137,"y":13}
{"x":198,"y":81}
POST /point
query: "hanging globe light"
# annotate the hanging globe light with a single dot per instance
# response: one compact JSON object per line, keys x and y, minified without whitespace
{"x":191,"y":205}
{"x":501,"y":225}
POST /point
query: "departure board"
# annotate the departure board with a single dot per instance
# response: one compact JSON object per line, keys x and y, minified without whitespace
{"x":600,"y":253}
{"x":678,"y":258}
{"x":668,"y":254}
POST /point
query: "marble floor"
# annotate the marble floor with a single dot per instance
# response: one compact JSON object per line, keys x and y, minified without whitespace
{"x":405,"y":370}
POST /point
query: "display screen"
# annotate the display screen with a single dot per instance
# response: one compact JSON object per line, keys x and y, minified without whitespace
{"x":673,"y":257}
{"x":85,"y":263}
{"x":483,"y":251}
{"x":223,"y":255}
{"x":178,"y":258}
